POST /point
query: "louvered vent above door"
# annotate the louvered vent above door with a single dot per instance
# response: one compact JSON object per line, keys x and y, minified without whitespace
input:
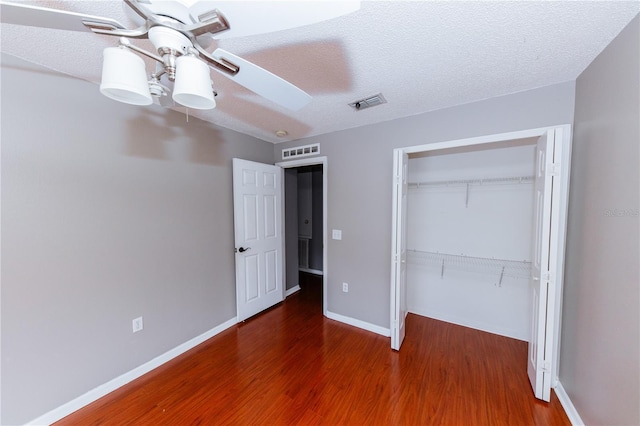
{"x":301,"y":151}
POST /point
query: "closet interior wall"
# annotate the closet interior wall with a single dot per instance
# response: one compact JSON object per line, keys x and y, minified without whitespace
{"x":470,"y":224}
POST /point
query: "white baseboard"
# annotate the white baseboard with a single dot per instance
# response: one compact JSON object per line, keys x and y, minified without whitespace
{"x":360,"y":324}
{"x":100,"y":391}
{"x":568,"y":406}
{"x":291,"y":291}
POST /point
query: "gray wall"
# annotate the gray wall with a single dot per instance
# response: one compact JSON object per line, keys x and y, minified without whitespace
{"x":109,"y":212}
{"x":600,"y":364}
{"x":359,"y":172}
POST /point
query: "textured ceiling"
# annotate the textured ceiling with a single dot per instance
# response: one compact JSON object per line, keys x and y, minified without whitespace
{"x":422,"y":55}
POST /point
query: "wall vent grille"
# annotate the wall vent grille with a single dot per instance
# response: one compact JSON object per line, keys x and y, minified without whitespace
{"x":301,"y":151}
{"x":369,"y":102}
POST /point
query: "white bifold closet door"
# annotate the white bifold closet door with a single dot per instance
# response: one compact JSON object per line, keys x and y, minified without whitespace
{"x":399,"y":268}
{"x":545,"y":255}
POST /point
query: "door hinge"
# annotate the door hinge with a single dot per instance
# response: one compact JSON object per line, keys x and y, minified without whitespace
{"x":553,"y":169}
{"x":546,"y":366}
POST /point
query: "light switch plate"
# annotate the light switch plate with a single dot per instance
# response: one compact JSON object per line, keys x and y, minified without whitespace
{"x":337,"y":234}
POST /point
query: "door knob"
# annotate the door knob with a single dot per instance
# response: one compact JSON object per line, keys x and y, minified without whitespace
{"x":242,"y":249}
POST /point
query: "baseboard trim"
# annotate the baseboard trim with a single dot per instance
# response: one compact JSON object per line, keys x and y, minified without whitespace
{"x":568,"y":406}
{"x":291,"y":291}
{"x":100,"y":391}
{"x":360,"y":324}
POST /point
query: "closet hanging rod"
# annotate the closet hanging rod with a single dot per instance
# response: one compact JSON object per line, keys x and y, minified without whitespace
{"x":512,"y":179}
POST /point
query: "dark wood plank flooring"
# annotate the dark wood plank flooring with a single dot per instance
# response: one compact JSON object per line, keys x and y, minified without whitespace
{"x":292,"y":366}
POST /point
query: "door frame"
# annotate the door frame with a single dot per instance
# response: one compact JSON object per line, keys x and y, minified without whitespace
{"x":563,"y":136}
{"x":325,"y":192}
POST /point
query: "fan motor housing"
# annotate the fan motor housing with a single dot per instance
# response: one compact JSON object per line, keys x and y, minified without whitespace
{"x":166,"y":38}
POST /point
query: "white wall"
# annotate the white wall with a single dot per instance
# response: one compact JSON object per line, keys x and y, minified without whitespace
{"x":495,"y":222}
{"x":359,"y":174}
{"x":109,"y":212}
{"x":600,"y":351}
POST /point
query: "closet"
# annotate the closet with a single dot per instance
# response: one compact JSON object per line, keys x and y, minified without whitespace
{"x":478,"y":236}
{"x":470,"y":213}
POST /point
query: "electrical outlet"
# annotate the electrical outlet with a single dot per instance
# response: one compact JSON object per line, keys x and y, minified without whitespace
{"x":137,"y":324}
{"x":345,"y":287}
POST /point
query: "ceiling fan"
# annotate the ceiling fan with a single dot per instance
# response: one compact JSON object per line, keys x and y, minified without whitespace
{"x":181,"y":31}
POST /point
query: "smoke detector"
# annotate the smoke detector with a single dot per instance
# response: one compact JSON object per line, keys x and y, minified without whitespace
{"x":368,"y":102}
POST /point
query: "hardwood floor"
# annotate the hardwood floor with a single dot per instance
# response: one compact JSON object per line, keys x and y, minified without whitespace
{"x":292,"y":366}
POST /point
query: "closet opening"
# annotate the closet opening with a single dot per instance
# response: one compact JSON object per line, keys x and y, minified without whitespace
{"x":478,"y":236}
{"x":469,"y":236}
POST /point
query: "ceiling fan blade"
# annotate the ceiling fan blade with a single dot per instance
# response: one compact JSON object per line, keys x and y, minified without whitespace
{"x":258,"y":17}
{"x":34,"y":16}
{"x":263,"y":82}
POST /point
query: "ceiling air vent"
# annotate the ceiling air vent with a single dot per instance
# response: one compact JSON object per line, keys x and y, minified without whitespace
{"x":301,"y":151}
{"x":369,"y":102}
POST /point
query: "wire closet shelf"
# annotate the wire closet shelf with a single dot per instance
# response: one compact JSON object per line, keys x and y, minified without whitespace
{"x":468,"y":183}
{"x":502,"y":267}
{"x":479,"y":181}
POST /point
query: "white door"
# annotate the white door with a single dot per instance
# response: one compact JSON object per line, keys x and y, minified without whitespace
{"x":399,"y":251}
{"x":257,"y":202}
{"x":544,"y":252}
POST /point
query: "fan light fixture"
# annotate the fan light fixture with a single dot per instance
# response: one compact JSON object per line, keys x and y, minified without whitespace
{"x":192,"y":87}
{"x":124,"y":77}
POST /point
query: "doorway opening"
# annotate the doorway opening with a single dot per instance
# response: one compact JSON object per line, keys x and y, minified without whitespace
{"x":305,"y":225}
